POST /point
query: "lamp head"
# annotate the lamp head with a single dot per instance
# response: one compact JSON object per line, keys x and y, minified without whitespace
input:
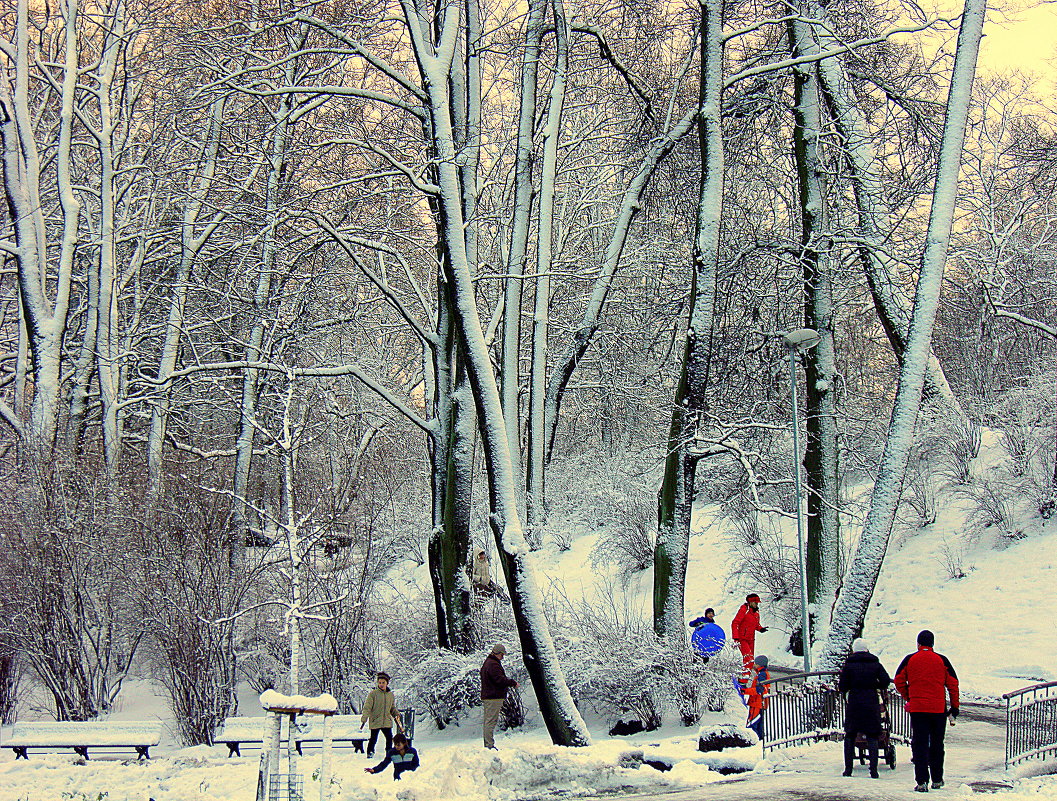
{"x":801,"y":339}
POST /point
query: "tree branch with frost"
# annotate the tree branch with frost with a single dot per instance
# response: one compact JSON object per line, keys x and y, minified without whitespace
{"x":784,"y":64}
{"x":427,"y":337}
{"x":607,"y":54}
{"x":428,"y":426}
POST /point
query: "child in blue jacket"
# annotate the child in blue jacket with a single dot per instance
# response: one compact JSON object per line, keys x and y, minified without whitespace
{"x":402,"y":755}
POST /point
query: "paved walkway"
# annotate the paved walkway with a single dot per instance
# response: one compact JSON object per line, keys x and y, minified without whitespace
{"x":975,"y":753}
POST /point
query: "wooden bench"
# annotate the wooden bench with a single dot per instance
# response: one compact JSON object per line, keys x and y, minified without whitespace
{"x":237,"y":732}
{"x":80,"y":736}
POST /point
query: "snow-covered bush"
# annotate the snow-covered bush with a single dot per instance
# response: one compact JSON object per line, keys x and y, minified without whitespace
{"x":445,"y":685}
{"x":992,"y":508}
{"x":963,"y":437}
{"x":617,"y":666}
{"x":73,"y":554}
{"x":10,"y":685}
{"x":614,"y":496}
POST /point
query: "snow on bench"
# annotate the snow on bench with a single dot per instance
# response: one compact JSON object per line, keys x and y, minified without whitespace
{"x":236,"y":732}
{"x":80,"y":736}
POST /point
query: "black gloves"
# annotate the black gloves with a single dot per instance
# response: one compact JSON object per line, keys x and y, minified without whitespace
{"x":954,"y":712}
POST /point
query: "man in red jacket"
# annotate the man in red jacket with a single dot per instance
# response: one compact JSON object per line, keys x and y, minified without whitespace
{"x":924,"y":679}
{"x":743,"y":632}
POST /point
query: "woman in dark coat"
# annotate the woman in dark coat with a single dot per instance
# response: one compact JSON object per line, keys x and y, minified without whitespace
{"x":862,"y":678}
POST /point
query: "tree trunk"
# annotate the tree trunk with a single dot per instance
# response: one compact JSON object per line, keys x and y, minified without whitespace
{"x":849,"y":614}
{"x":676,"y":496}
{"x":45,"y":319}
{"x":563,"y":720}
{"x":882,"y":276}
{"x":537,"y":426}
{"x":519,"y":233}
{"x":823,"y":551}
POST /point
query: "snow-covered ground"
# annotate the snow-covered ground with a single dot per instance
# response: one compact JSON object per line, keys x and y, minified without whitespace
{"x":995,"y":624}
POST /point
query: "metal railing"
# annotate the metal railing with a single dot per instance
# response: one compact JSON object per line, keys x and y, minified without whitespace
{"x":806,"y":707}
{"x":1031,"y":723}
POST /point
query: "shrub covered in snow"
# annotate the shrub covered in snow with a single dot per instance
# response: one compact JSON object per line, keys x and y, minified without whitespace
{"x":716,"y":737}
{"x":445,"y":685}
{"x":619,"y":668}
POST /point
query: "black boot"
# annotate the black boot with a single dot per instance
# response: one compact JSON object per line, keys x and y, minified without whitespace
{"x":871,"y":744}
{"x":849,"y":752}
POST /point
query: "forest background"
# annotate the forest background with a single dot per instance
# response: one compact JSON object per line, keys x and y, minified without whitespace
{"x":295,"y":293}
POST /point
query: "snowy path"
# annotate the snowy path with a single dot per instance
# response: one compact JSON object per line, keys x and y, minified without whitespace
{"x":975,"y":752}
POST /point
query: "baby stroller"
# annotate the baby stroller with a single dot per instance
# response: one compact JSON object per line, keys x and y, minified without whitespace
{"x":885,"y":747}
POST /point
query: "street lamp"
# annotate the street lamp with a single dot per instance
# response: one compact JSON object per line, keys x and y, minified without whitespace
{"x":797,"y":342}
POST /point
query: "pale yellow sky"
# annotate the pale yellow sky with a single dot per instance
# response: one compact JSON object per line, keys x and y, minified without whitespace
{"x":1023,"y":39}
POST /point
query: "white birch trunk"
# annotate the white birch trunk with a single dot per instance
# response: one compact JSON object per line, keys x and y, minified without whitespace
{"x":849,"y":614}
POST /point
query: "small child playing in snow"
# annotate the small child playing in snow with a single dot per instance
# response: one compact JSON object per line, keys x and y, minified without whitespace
{"x":402,"y":755}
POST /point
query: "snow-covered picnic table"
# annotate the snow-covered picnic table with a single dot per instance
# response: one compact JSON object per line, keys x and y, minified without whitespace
{"x":238,"y":731}
{"x":80,"y":736}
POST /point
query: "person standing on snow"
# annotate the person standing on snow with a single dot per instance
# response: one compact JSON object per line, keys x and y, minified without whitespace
{"x":924,"y":679}
{"x":494,"y":686}
{"x":708,"y":638}
{"x":862,"y":678}
{"x":756,"y":694}
{"x":743,"y":632}
{"x":380,"y":712}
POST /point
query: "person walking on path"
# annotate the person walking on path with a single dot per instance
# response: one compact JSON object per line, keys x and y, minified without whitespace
{"x":756,"y":694}
{"x":863,"y":677}
{"x":494,"y":686}
{"x":403,"y":757}
{"x":708,"y":638}
{"x":379,"y":711}
{"x":925,"y":679}
{"x":743,"y":631}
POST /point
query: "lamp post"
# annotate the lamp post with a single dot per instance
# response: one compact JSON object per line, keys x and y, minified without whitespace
{"x":797,"y":342}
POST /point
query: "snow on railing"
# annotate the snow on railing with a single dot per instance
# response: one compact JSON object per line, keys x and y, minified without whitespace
{"x":1031,"y":723}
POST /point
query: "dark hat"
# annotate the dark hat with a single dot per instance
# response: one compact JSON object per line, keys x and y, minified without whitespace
{"x":383,"y":675}
{"x":752,"y":597}
{"x":761,"y":660}
{"x":926,"y":638}
{"x":710,"y":611}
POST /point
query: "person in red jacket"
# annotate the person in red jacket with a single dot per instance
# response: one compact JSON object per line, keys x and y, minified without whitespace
{"x":924,"y":679}
{"x":743,"y":632}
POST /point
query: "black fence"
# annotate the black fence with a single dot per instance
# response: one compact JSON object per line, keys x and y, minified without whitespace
{"x":1031,"y":723}
{"x":806,"y":707}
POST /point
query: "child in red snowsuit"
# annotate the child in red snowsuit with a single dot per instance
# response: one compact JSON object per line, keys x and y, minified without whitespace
{"x":756,"y":694}
{"x":743,"y":631}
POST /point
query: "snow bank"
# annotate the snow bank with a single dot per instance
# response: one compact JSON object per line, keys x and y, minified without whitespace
{"x":526,"y":768}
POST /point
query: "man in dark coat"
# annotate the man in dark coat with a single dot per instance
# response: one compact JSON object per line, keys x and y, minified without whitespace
{"x":494,"y":684}
{"x":862,"y":678}
{"x":924,"y":679}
